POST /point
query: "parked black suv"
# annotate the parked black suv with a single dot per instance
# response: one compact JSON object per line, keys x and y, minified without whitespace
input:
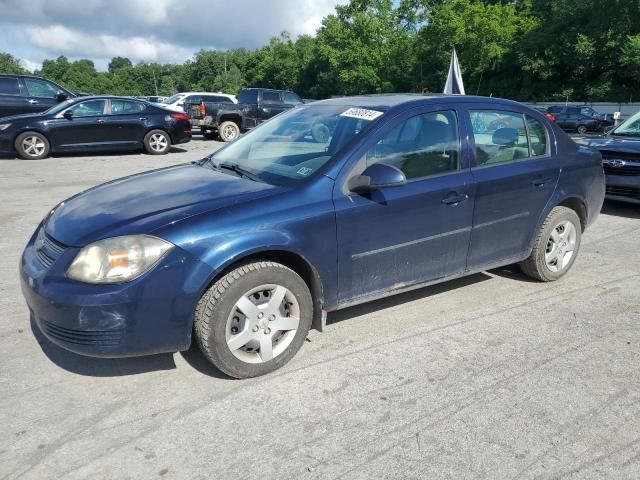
{"x":579,"y":118}
{"x":254,"y":106}
{"x":27,"y":94}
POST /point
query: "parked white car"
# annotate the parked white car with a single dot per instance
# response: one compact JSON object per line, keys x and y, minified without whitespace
{"x":178,"y":101}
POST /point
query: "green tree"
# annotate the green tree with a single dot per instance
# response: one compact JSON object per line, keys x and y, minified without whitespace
{"x":10,"y":64}
{"x":118,"y":63}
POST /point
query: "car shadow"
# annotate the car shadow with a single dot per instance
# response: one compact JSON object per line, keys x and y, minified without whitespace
{"x":101,"y":367}
{"x":196,"y":359}
{"x":513,"y":272}
{"x":621,"y":209}
{"x":402,"y":298}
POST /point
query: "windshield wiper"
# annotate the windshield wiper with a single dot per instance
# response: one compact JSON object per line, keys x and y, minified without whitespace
{"x":234,"y":167}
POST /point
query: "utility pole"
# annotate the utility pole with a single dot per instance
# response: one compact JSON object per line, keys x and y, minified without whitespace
{"x":154,"y":81}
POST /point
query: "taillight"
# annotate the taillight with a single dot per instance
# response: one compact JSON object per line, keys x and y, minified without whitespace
{"x":203,"y":110}
{"x":180,"y":116}
{"x":550,"y":116}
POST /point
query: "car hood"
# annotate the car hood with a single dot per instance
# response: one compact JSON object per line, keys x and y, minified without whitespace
{"x":616,"y":144}
{"x":24,"y":116}
{"x":142,"y":203}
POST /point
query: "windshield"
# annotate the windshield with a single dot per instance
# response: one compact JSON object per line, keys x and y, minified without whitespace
{"x":292,"y":146}
{"x":173,"y":99}
{"x":630,"y":127}
{"x":60,"y":107}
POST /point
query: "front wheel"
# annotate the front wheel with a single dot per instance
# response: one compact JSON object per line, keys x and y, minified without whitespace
{"x":556,"y":246}
{"x":254,"y":319}
{"x":228,"y":131}
{"x":32,"y":146}
{"x":157,"y":142}
{"x":582,"y":129}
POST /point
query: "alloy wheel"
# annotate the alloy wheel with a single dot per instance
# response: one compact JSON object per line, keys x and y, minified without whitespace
{"x":561,"y":246}
{"x":158,"y":142}
{"x":262,"y":323}
{"x":33,"y":146}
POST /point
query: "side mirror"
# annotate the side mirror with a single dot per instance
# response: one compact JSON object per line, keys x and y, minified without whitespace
{"x":378,"y":175}
{"x":61,"y":96}
{"x":68,"y":114}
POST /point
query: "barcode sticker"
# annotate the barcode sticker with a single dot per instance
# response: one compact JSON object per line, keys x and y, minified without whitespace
{"x":361,"y":113}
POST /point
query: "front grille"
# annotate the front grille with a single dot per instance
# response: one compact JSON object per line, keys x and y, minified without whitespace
{"x":628,"y":156}
{"x":626,"y":170}
{"x":630,"y":192}
{"x":104,"y":338}
{"x":48,"y":250}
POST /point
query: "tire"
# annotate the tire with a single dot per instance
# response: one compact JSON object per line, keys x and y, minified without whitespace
{"x":157,"y":142}
{"x":228,"y":131}
{"x":244,"y":346}
{"x":32,"y":146}
{"x":559,"y":236}
{"x":582,"y":130}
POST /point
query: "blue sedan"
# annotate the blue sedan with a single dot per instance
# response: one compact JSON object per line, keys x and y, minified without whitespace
{"x":327,"y":205}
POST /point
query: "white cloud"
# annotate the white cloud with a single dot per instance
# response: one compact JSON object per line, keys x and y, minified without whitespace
{"x":30,"y":64}
{"x":66,"y":41}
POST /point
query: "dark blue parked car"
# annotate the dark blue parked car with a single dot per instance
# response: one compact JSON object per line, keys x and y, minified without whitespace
{"x":249,"y":248}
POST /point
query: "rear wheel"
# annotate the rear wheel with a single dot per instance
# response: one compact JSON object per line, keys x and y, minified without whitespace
{"x":32,"y":146}
{"x":556,"y":246}
{"x":157,"y":142}
{"x":582,"y":129}
{"x":254,"y":319}
{"x":228,"y":131}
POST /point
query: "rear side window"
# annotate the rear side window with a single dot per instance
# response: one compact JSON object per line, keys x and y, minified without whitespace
{"x":216,"y":99}
{"x":500,"y":137}
{"x":9,"y":86}
{"x":248,"y":96}
{"x":91,"y":108}
{"x":538,"y":137}
{"x":270,"y":96}
{"x":291,"y":98}
{"x":40,"y":88}
{"x":123,"y":107}
{"x":421,"y":146}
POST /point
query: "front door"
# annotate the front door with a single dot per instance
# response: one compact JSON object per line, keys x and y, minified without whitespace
{"x":399,"y":236}
{"x":41,"y":95}
{"x":270,"y":105}
{"x":85,"y":127}
{"x":515,"y":172}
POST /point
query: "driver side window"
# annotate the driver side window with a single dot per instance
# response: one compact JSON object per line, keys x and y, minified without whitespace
{"x":421,"y":146}
{"x":91,"y":108}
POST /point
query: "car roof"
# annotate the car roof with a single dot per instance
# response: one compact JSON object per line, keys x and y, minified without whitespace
{"x":387,"y":101}
{"x":205,"y":93}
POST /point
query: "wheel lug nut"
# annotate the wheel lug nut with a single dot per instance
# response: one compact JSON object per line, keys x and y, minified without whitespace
{"x":260,"y":315}
{"x":255,"y":329}
{"x":272,"y":318}
{"x":267,"y":331}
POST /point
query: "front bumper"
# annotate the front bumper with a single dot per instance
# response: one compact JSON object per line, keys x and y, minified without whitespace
{"x":625,"y":188}
{"x":151,"y":314}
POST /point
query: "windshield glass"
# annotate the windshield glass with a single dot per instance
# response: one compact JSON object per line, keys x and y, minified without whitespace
{"x":292,"y":146}
{"x":60,"y":107}
{"x":630,"y":127}
{"x":173,"y":99}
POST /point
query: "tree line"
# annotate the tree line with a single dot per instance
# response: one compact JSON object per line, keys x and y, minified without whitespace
{"x":580,"y":50}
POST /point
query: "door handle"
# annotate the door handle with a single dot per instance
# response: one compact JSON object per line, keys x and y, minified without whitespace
{"x":454,"y":199}
{"x":143,"y":119}
{"x":541,"y":182}
{"x":100,"y":121}
{"x":32,"y":101}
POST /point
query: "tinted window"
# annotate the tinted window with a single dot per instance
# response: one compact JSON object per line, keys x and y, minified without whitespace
{"x":292,"y":99}
{"x":537,"y":137}
{"x":122,"y":107}
{"x":554,"y":109}
{"x":248,"y":96}
{"x":9,"y":86}
{"x":91,"y":108}
{"x":217,"y":99}
{"x":500,"y":137}
{"x":270,"y":96}
{"x":40,"y":88}
{"x":193,"y":99}
{"x":423,"y":145}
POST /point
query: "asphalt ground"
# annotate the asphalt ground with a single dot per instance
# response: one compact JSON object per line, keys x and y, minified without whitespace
{"x":491,"y":376}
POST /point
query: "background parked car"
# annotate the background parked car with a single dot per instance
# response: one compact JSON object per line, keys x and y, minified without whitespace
{"x":180,"y":100}
{"x":29,"y":94}
{"x":604,"y":119}
{"x":94,"y":123}
{"x":254,"y":106}
{"x":156,"y":99}
{"x":577,"y":122}
{"x":620,"y":150}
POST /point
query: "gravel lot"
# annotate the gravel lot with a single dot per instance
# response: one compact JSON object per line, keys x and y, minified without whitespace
{"x":492,"y":376}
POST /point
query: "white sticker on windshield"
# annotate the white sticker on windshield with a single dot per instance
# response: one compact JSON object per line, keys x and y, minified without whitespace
{"x":361,"y":113}
{"x":305,"y":171}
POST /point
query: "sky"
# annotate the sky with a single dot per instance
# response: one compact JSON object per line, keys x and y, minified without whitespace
{"x":165,"y":31}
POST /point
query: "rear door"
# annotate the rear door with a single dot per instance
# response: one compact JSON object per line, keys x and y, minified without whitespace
{"x":515,"y":172}
{"x":399,"y":236}
{"x":41,"y":95}
{"x":11,"y":100}
{"x":126,"y":122}
{"x":270,"y":104}
{"x":86,"y":128}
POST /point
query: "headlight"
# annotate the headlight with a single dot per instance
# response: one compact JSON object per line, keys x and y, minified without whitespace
{"x":4,"y":126}
{"x":117,"y":259}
